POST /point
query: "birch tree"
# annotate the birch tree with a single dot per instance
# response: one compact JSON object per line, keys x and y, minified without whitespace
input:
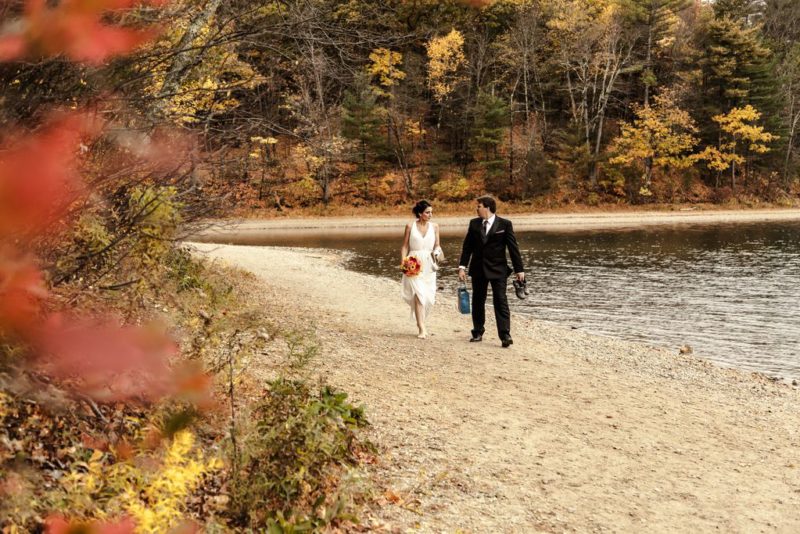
{"x":592,"y":51}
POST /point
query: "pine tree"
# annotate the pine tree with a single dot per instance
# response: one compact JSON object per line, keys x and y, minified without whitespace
{"x":745,"y":12}
{"x":491,"y":119}
{"x":362,"y":118}
{"x":654,"y":20}
{"x":731,"y":59}
{"x":782,"y":31}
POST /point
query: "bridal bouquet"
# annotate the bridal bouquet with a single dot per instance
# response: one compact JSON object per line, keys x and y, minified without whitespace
{"x":411,"y":266}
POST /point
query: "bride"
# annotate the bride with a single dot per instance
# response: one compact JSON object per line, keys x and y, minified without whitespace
{"x":421,"y":240}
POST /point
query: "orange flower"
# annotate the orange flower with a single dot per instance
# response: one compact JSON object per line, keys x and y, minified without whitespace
{"x":411,"y":266}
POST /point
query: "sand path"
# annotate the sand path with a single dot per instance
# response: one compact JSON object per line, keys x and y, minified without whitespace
{"x":239,"y":230}
{"x":562,"y":432}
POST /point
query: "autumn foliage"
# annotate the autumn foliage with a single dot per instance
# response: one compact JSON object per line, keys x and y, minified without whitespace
{"x":91,"y":355}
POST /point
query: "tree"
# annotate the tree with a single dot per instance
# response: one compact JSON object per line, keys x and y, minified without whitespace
{"x":661,"y":135}
{"x":782,"y":31}
{"x":187,"y":49}
{"x":747,"y":12}
{"x":521,"y":51}
{"x":491,"y":120}
{"x":789,"y":75}
{"x":782,"y":23}
{"x":738,"y":140}
{"x":732,"y":62}
{"x":384,"y":65}
{"x":592,"y":50}
{"x":445,"y":62}
{"x":655,"y":21}
{"x":362,"y":117}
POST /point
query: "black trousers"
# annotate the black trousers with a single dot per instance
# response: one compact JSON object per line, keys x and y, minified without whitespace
{"x":502,"y":315}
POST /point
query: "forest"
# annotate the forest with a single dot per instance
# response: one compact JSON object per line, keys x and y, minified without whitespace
{"x":550,"y":101}
{"x":125,"y":401}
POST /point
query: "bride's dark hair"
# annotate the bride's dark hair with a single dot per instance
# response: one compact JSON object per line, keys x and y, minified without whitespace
{"x":420,"y":207}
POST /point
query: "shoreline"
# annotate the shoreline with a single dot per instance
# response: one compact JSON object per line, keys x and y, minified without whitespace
{"x":563,"y":431}
{"x":209,"y":231}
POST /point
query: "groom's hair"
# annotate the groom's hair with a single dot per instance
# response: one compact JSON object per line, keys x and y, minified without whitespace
{"x":488,"y":201}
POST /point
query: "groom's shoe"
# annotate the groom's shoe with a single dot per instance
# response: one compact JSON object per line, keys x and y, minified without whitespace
{"x":475,"y":339}
{"x":507,"y":342}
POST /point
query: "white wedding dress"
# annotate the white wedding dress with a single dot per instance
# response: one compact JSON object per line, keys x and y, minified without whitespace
{"x":423,"y":285}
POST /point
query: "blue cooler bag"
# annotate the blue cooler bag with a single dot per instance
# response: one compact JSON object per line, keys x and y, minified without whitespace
{"x":463,"y":299}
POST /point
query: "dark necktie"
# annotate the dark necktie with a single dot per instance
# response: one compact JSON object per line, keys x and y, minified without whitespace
{"x":485,"y":230}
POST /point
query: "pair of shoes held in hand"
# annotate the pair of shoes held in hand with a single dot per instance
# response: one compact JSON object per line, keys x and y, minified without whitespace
{"x":521,"y":289}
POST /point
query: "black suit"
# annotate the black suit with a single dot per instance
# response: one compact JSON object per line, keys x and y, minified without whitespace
{"x":486,"y":257}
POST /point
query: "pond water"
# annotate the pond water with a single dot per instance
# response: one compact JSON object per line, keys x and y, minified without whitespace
{"x":730,"y":291}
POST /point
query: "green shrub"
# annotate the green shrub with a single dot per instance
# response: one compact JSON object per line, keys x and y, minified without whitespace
{"x":286,"y":477}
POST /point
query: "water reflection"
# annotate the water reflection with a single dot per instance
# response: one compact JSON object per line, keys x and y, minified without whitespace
{"x":729,"y":291}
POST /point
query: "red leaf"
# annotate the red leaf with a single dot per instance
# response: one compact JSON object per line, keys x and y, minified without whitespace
{"x":108,"y":362}
{"x":11,"y":47}
{"x":125,"y":526}
{"x":21,"y":292}
{"x":38,"y":174}
{"x":57,"y":524}
{"x":74,"y":28}
{"x":193,"y":385}
{"x":85,"y":39}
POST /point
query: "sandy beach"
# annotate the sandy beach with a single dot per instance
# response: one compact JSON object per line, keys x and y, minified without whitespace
{"x":561,"y":432}
{"x":221,"y":230}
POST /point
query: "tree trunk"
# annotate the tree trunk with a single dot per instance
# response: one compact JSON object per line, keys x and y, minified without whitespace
{"x":596,"y":154}
{"x":648,"y":161}
{"x":325,"y":182}
{"x":400,"y":155}
{"x":511,"y":145}
{"x":795,"y":117}
{"x":571,"y":98}
{"x":185,"y":55}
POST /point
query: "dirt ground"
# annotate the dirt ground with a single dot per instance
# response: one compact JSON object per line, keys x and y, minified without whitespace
{"x":561,"y":432}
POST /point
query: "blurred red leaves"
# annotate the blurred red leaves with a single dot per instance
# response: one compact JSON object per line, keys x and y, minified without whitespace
{"x":38,"y":173}
{"x":39,"y":180}
{"x":105,"y":361}
{"x":21,"y":292}
{"x":59,"y":525}
{"x":74,"y":28}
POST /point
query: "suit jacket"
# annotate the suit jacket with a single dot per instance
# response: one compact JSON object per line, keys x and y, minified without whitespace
{"x":487,"y":257}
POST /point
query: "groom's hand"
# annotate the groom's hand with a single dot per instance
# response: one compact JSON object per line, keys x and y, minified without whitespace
{"x":462,"y":274}
{"x":521,"y":276}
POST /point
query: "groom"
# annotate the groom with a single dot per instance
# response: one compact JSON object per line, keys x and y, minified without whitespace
{"x":484,"y":250}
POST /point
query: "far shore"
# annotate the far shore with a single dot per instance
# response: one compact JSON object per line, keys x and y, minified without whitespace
{"x":220,"y":230}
